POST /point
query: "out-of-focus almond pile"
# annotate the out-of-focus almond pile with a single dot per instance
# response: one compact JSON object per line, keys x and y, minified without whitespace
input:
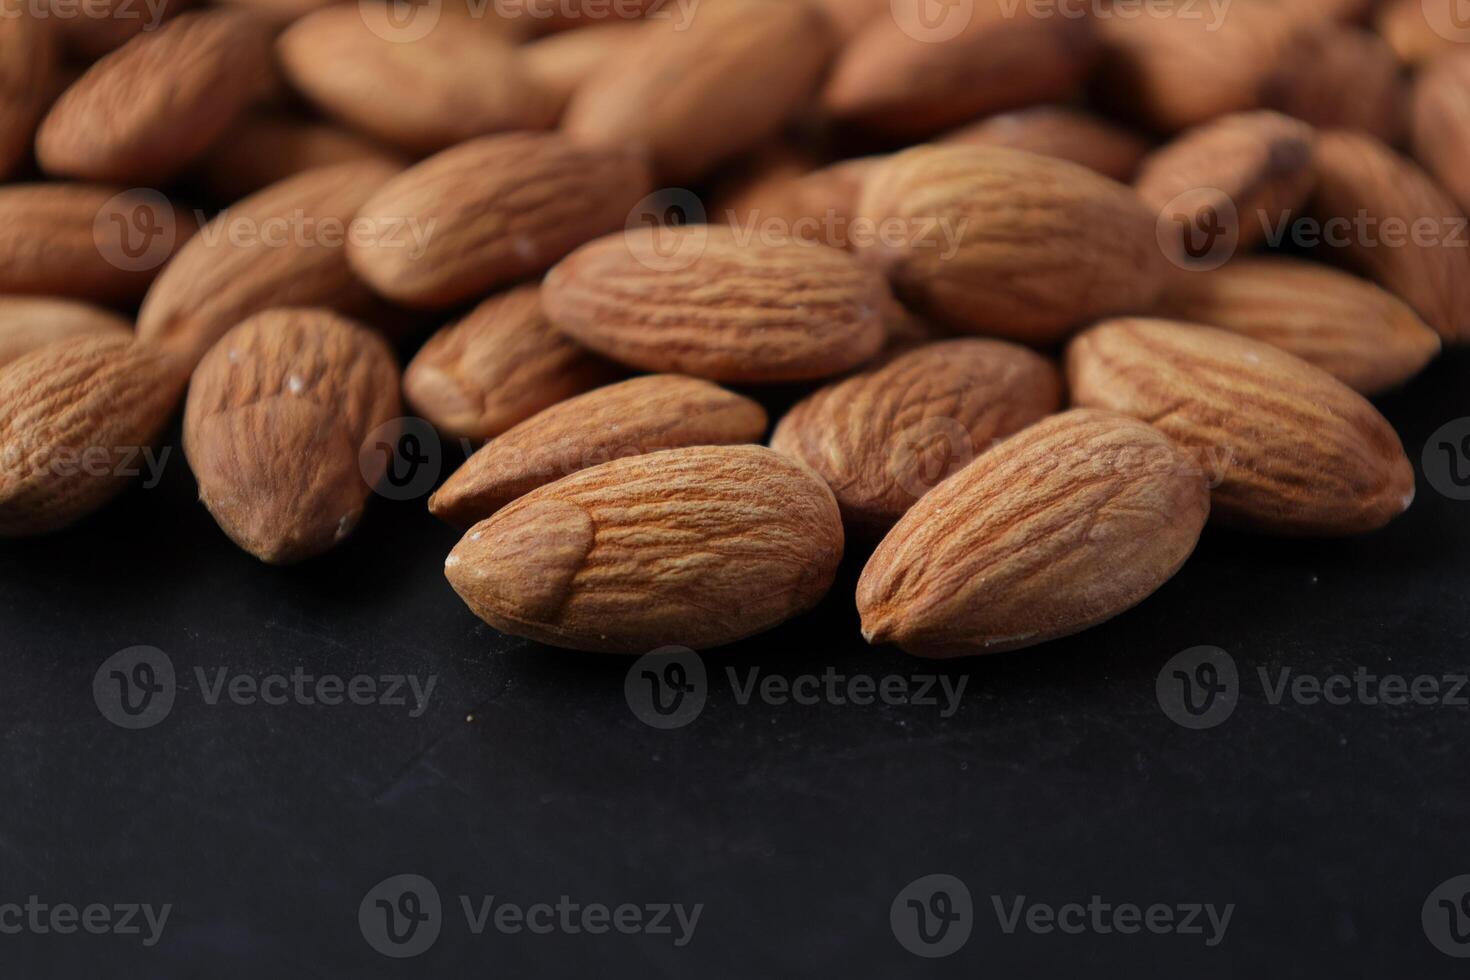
{"x":1014,"y":295}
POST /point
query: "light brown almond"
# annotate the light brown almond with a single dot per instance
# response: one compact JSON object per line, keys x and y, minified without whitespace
{"x":1063,"y":526}
{"x":642,"y":415}
{"x":887,"y":436}
{"x":1007,"y":243}
{"x":29,"y":322}
{"x":277,"y":429}
{"x":690,"y":547}
{"x":1061,"y":132}
{"x":1294,"y":450}
{"x":563,"y":62}
{"x":495,"y":210}
{"x":264,"y":148}
{"x":696,"y":300}
{"x":1338,"y":76}
{"x":1441,"y":124}
{"x":28,"y":67}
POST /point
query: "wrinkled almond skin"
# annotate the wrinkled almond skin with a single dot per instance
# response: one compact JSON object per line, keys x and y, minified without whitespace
{"x":74,"y":416}
{"x":1063,"y":526}
{"x":498,"y":209}
{"x":1249,"y":169}
{"x":889,"y":81}
{"x":723,"y":310}
{"x":1341,"y":77}
{"x":1441,"y":124}
{"x":28,"y":69}
{"x":1357,"y":174}
{"x":237,"y":265}
{"x":277,"y":425}
{"x":1295,"y":450}
{"x":1061,"y":132}
{"x":887,"y":436}
{"x":142,"y":113}
{"x":691,"y":547}
{"x":500,"y":365}
{"x":29,"y":322}
{"x":263,"y":148}
{"x":634,"y":417}
{"x":1365,"y":337}
{"x":1043,"y":246}
{"x":695,"y":97}
{"x":454,"y":83}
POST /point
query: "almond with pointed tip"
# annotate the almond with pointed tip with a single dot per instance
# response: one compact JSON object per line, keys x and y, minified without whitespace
{"x":29,"y":322}
{"x":28,"y":69}
{"x":563,"y":62}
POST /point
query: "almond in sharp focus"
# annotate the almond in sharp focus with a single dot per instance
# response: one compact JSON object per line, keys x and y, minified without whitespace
{"x":28,"y":65}
{"x":696,"y":300}
{"x":885,"y":437}
{"x":1062,"y":132}
{"x":500,"y":365}
{"x":691,"y":547}
{"x":277,"y":425}
{"x":29,"y":322}
{"x":495,"y":210}
{"x":76,"y":418}
{"x":264,"y":148}
{"x":1294,"y":450}
{"x":1441,"y":123}
{"x":1365,"y":337}
{"x":1002,"y":242}
{"x":642,"y":415}
{"x":1063,"y":526}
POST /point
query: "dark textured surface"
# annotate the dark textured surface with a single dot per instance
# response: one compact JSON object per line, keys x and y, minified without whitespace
{"x":1059,"y":777}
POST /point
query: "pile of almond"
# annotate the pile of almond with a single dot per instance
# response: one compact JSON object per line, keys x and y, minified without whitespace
{"x":1010,"y":297}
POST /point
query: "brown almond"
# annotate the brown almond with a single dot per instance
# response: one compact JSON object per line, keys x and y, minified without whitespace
{"x":495,"y":210}
{"x":641,"y":415}
{"x":73,"y":417}
{"x":277,"y":429}
{"x":1295,"y":450}
{"x":1063,"y":526}
{"x":691,"y":547}
{"x":500,"y":365}
{"x":563,"y":62}
{"x":1441,"y":124}
{"x":1341,"y":77}
{"x":265,"y":148}
{"x":887,"y":436}
{"x":815,"y":206}
{"x":1007,"y":243}
{"x":29,"y":322}
{"x":1061,"y":132}
{"x":695,"y":96}
{"x":91,"y":31}
{"x":1365,"y":337}
{"x":697,"y":300}
{"x":1419,"y":31}
{"x":1402,"y":230}
{"x":849,"y":17}
{"x":28,"y":66}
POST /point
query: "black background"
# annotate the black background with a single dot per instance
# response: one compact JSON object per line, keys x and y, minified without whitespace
{"x":529,"y":777}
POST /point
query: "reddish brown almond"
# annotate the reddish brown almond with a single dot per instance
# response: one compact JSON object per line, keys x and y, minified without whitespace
{"x":28,"y":67}
{"x":903,"y":76}
{"x":1420,"y":31}
{"x":74,"y":417}
{"x":1061,"y":132}
{"x":1441,"y":124}
{"x":146,"y":110}
{"x":1295,"y":450}
{"x":1397,"y":226}
{"x":849,"y":17}
{"x":265,"y":148}
{"x":885,"y":437}
{"x":277,"y":429}
{"x":643,"y":415}
{"x":496,"y":210}
{"x":421,"y":93}
{"x":497,"y":367}
{"x":1008,"y":243}
{"x":696,"y":300}
{"x":1061,"y":527}
{"x":1341,"y":77}
{"x":563,"y":62}
{"x":695,"y":96}
{"x":91,"y":31}
{"x":690,"y":547}
{"x":284,"y":245}
{"x":1246,"y":171}
{"x":1365,"y":337}
{"x":29,"y":322}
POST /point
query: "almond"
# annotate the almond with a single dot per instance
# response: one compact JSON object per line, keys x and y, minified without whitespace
{"x":73,"y":417}
{"x":1365,"y":337}
{"x":29,"y":322}
{"x":849,"y":17}
{"x":497,"y":367}
{"x":642,"y":415}
{"x":142,"y":113}
{"x":885,"y":437}
{"x":692,"y":547}
{"x":1061,"y":132}
{"x":818,"y":204}
{"x":1008,"y":243}
{"x":421,"y":93}
{"x":106,"y":25}
{"x":281,"y":246}
{"x":1441,"y":123}
{"x":28,"y":66}
{"x":1420,"y":31}
{"x":264,"y":148}
{"x":1405,"y":232}
{"x":694,"y":97}
{"x":1061,"y":527}
{"x":903,"y":77}
{"x":1302,"y":453}
{"x":1341,"y":77}
{"x":497,"y":209}
{"x":695,"y":300}
{"x":563,"y":62}
{"x":277,"y":425}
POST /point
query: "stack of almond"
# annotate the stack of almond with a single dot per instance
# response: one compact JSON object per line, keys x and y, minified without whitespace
{"x":997,"y":252}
